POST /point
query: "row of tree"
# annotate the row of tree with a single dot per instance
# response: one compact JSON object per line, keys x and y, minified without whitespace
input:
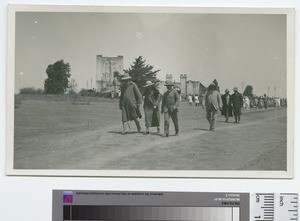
{"x":59,"y":73}
{"x":58,"y":77}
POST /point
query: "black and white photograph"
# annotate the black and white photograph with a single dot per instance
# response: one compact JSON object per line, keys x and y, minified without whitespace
{"x":150,"y":91}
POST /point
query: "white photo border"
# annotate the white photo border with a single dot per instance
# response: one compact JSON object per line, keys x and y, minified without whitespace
{"x":12,"y":9}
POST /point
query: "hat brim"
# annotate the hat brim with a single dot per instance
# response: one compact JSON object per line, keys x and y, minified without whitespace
{"x":125,"y":78}
{"x":147,"y":85}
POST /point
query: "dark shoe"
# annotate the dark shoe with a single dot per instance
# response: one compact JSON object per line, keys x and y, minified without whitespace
{"x":147,"y":132}
{"x":138,"y":127}
{"x":226,"y":120}
{"x":165,"y":135}
{"x":176,"y":133}
{"x":124,"y":132}
{"x":235,"y":122}
{"x":212,"y":129}
{"x":158,"y":130}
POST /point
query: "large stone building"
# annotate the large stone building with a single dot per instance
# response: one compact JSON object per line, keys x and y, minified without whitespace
{"x":107,"y":82}
{"x":187,"y":86}
{"x":105,"y":70}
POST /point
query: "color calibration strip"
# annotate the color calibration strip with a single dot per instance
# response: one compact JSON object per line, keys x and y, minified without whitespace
{"x":150,"y":213}
{"x":98,"y":205}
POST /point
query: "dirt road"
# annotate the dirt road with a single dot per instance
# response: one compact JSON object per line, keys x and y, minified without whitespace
{"x":58,"y":135}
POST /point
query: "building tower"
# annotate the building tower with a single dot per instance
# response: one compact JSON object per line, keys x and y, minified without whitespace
{"x":169,"y":77}
{"x":105,"y":69}
{"x":183,"y":79}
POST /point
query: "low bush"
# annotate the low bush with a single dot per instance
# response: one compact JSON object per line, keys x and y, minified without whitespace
{"x":31,"y":90}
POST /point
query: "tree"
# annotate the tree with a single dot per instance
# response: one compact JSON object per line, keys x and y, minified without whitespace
{"x":73,"y":90}
{"x":58,"y":77}
{"x":248,"y":91}
{"x":140,"y":72}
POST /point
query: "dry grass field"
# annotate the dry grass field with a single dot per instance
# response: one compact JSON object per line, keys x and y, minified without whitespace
{"x":52,"y":134}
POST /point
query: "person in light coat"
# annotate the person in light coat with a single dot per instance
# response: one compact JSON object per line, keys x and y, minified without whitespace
{"x":213,"y":103}
{"x":152,"y":99}
{"x":169,"y":107}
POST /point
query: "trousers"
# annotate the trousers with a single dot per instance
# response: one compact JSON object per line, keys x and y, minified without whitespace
{"x":174,"y":117}
{"x":211,"y":116}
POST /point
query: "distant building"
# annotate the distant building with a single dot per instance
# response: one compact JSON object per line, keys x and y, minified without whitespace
{"x":187,"y":86}
{"x":107,"y":82}
{"x":105,"y":69}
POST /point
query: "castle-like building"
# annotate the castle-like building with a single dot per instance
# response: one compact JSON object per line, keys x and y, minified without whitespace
{"x":187,"y":86}
{"x":106,"y":67}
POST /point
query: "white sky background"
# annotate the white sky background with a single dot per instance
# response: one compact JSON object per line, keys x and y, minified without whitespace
{"x":231,"y":48}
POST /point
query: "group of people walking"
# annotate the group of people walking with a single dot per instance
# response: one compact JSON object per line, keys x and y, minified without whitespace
{"x":229,"y":105}
{"x":131,"y":98}
{"x":195,"y":99}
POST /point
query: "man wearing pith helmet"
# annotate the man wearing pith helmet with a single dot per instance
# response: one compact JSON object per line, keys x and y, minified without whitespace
{"x":169,"y":108}
{"x":237,"y":104}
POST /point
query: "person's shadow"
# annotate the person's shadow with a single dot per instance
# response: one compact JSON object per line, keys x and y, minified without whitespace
{"x":203,"y":129}
{"x":120,"y":133}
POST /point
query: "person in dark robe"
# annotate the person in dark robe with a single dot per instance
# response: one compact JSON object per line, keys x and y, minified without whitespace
{"x":237,"y":104}
{"x":151,"y":107}
{"x":130,"y":101}
{"x":266,"y":101}
{"x":226,"y":108}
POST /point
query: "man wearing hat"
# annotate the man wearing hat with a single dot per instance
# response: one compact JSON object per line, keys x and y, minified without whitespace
{"x":151,"y":106}
{"x":169,"y":108}
{"x":130,"y":101}
{"x":213,"y":103}
{"x":226,"y":108}
{"x":237,"y":104}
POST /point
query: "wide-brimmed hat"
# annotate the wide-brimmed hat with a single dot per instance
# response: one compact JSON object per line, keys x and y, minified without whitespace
{"x":148,"y":83}
{"x":169,"y":83}
{"x":125,"y":77}
{"x":227,"y":90}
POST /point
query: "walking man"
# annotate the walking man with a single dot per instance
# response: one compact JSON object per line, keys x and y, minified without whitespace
{"x":130,"y":102}
{"x":151,"y":106}
{"x":226,"y":108}
{"x":169,"y":108}
{"x":213,"y":103}
{"x":237,"y":104}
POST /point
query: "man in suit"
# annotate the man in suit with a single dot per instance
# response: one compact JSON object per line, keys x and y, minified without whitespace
{"x":213,"y":103}
{"x":237,"y":104}
{"x":169,"y":108}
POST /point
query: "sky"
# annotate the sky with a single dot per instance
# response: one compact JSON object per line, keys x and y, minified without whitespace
{"x":236,"y":49}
